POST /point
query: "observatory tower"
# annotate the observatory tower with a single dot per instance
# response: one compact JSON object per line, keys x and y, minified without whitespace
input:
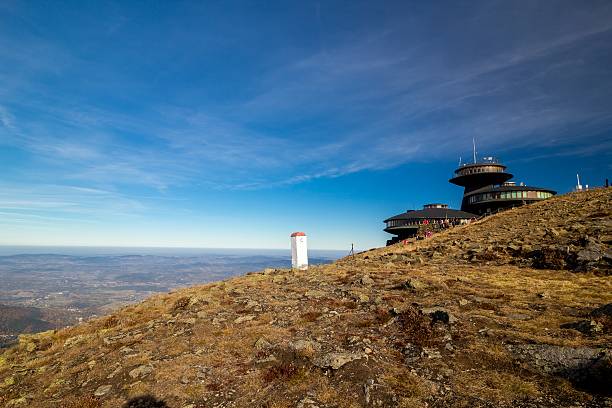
{"x":474,"y":176}
{"x":487,"y":188}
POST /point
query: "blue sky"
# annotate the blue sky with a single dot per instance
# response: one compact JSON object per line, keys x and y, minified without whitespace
{"x":232,"y":124}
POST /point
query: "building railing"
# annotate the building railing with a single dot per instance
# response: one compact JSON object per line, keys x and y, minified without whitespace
{"x":464,"y":171}
{"x":484,"y":160}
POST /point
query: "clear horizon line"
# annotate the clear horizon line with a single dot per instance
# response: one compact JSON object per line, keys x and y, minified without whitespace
{"x":160,"y":247}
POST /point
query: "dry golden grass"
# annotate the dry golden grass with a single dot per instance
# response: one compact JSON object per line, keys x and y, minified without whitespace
{"x":199,"y":355}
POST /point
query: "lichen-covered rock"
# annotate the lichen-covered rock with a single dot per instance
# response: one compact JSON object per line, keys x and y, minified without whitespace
{"x":141,"y":371}
{"x":102,"y":390}
{"x":336,"y":360}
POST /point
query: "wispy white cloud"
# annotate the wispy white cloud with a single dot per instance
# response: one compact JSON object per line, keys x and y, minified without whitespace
{"x":48,"y":201}
{"x":388,"y":96}
{"x":6,"y":119}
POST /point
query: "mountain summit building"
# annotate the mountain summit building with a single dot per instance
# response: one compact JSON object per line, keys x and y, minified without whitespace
{"x":487,"y":189}
{"x":432,"y":217}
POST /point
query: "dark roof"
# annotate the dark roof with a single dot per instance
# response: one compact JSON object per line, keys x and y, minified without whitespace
{"x":490,"y":189}
{"x":432,"y":213}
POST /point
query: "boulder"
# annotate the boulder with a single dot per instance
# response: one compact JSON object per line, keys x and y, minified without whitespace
{"x":589,"y":327}
{"x":602,"y":311}
{"x":102,"y":390}
{"x":439,"y":314}
{"x":141,"y":371}
{"x":336,"y":360}
{"x":305,"y":348}
{"x":588,"y":367}
{"x":410,"y":284}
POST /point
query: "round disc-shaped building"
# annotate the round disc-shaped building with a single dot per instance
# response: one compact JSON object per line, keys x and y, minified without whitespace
{"x":432,"y":216}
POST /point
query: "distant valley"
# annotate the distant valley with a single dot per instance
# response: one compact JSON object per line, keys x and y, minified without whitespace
{"x":41,"y":291}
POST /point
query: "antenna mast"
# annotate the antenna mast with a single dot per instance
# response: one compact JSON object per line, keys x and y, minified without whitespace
{"x":474,"y":145}
{"x":578,"y":186}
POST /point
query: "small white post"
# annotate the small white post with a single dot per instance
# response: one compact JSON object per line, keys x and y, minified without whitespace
{"x":299,"y":251}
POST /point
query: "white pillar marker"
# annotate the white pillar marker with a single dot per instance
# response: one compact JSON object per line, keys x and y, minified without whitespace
{"x":299,"y":251}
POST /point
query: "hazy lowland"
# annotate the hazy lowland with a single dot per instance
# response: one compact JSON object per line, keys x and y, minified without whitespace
{"x":514,"y":310}
{"x":46,"y":287}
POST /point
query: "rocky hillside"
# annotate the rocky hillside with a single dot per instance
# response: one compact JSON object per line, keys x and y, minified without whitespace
{"x":571,"y":232}
{"x":512,"y":311}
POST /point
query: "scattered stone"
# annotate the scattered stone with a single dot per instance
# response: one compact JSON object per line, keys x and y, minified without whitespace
{"x":251,"y":304}
{"x":553,"y":232}
{"x":102,"y":390}
{"x":602,"y":311}
{"x":189,"y":320}
{"x":218,"y":320}
{"x":15,"y":402}
{"x":126,"y":350}
{"x":410,"y":284}
{"x":589,"y":255}
{"x":394,"y":311}
{"x":73,"y":341}
{"x":366,"y":280}
{"x":586,"y":366}
{"x":141,"y":371}
{"x":269,"y":359}
{"x":430,"y":353}
{"x":589,"y":327}
{"x":439,"y":314}
{"x":315,"y":294}
{"x":464,"y":302}
{"x":114,"y":373}
{"x":307,"y":402}
{"x":411,"y":352}
{"x":366,"y":390}
{"x":514,"y":248}
{"x":279,"y":279}
{"x":518,"y":316}
{"x":336,"y":360}
{"x":262,"y":344}
{"x":245,"y":318}
{"x":305,"y":348}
